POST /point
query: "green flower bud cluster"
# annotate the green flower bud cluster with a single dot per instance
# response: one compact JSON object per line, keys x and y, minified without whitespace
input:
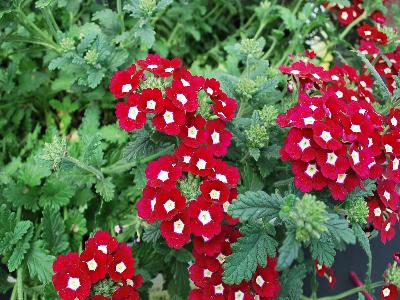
{"x":309,"y":217}
{"x":55,"y":151}
{"x":357,"y":211}
{"x":153,"y":82}
{"x":268,"y":115}
{"x":246,"y":88}
{"x":147,"y":7}
{"x":91,"y":57}
{"x":251,"y":48}
{"x":105,"y":287}
{"x":190,"y":187}
{"x":392,"y":275}
{"x":67,"y":44}
{"x":204,"y":107}
{"x":257,"y":136}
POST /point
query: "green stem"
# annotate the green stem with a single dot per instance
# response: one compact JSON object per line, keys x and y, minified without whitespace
{"x":14,"y":292}
{"x":271,"y":48}
{"x":314,"y":285}
{"x":121,"y":15}
{"x":85,"y":167}
{"x":123,"y":166}
{"x":353,"y":291}
{"x":352,"y":24}
{"x":20,"y":284}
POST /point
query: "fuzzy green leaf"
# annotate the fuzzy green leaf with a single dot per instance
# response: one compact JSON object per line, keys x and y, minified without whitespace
{"x":106,"y":189}
{"x":365,"y":245}
{"x":75,"y":225}
{"x":13,"y":237}
{"x":53,"y":234}
{"x":56,"y":193}
{"x":369,"y":188}
{"x":248,"y":252}
{"x":289,"y":251}
{"x":339,"y":229}
{"x":19,"y":251}
{"x":292,"y":281}
{"x":20,"y":195}
{"x":39,"y":262}
{"x":323,"y":249}
{"x":251,"y":206}
{"x":152,"y":233}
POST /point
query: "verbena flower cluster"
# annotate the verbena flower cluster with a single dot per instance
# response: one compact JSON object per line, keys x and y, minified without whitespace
{"x":190,"y":191}
{"x":103,"y":271}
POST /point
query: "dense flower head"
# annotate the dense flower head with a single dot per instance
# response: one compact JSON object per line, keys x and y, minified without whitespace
{"x":104,"y":262}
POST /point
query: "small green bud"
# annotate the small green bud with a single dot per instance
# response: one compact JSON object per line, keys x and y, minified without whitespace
{"x":105,"y":287}
{"x":152,"y":82}
{"x":147,"y":7}
{"x":204,"y":107}
{"x":190,"y":187}
{"x":357,"y":211}
{"x":67,"y":44}
{"x":246,"y":88}
{"x":268,"y":115}
{"x":257,"y":136}
{"x":287,"y":206}
{"x":91,"y":57}
{"x":309,"y":217}
{"x":392,"y":275}
{"x":55,"y":151}
{"x":251,"y":48}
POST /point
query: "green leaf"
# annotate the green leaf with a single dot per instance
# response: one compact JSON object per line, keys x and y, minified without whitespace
{"x":13,"y":237}
{"x":92,"y":153}
{"x":106,"y":189}
{"x":339,"y":229}
{"x":289,"y":251}
{"x":152,"y":233}
{"x":292,"y":283}
{"x":75,"y":225}
{"x":323,"y":249}
{"x":179,"y":285}
{"x":33,"y":172}
{"x":365,"y":245}
{"x":56,"y":192}
{"x":19,"y":251}
{"x":249,"y":251}
{"x":254,"y":153}
{"x":39,"y":263}
{"x":345,"y":3}
{"x":147,"y":35}
{"x":113,"y":134}
{"x":289,"y":19}
{"x":91,"y":122}
{"x":20,"y":195}
{"x":251,"y":206}
{"x":53,"y":234}
{"x":369,"y":188}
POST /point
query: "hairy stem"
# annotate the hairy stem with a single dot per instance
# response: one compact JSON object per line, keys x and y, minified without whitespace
{"x":85,"y":167}
{"x":20,"y":284}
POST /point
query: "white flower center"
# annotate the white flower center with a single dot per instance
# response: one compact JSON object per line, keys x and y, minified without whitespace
{"x":387,"y":227}
{"x":345,"y":15}
{"x":341,"y":178}
{"x":169,"y":205}
{"x":295,"y":72}
{"x":103,"y":248}
{"x":334,"y":77}
{"x":386,"y":292}
{"x":168,"y":117}
{"x":363,"y":84}
{"x":169,"y":70}
{"x":163,"y":176}
{"x":186,"y":159}
{"x":304,"y":144}
{"x":210,"y":91}
{"x":192,"y":132}
{"x":339,"y":94}
{"x":386,"y":194}
{"x":313,"y":107}
{"x":393,"y":120}
{"x":92,"y":265}
{"x":73,"y":283}
{"x":225,"y":206}
{"x":388,"y":148}
{"x":239,"y":295}
{"x":219,"y":289}
{"x":151,"y":104}
{"x":309,"y":121}
{"x":311,"y":170}
{"x":395,"y":164}
{"x":214,"y":194}
{"x":355,"y":156}
{"x":221,"y":258}
{"x":184,"y":82}
{"x":207,"y":273}
{"x":326,"y":136}
{"x":120,"y":267}
{"x":377,"y":212}
{"x":221,"y":177}
{"x":355,"y":128}
{"x":387,"y":70}
{"x":367,"y":32}
{"x":215,"y":137}
{"x":152,"y":66}
{"x":201,"y":164}
{"x":126,"y":88}
{"x":179,"y":226}
{"x":133,"y":112}
{"x":319,"y":267}
{"x":332,"y":157}
{"x":153,"y":203}
{"x":181,"y":98}
{"x":260,"y":281}
{"x":204,"y":217}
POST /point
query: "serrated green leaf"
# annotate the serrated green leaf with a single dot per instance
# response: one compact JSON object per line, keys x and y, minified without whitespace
{"x":56,"y":192}
{"x":249,"y":251}
{"x":53,"y":233}
{"x":365,"y":245}
{"x":39,"y":263}
{"x":339,"y":229}
{"x":251,"y":206}
{"x":369,"y":188}
{"x":113,"y":134}
{"x":323,"y":249}
{"x":152,"y":233}
{"x":93,"y":153}
{"x":20,"y":195}
{"x":292,"y":281}
{"x":75,"y":225}
{"x":91,"y":122}
{"x":19,"y":251}
{"x":289,"y":19}
{"x":33,"y":172}
{"x":106,"y":189}
{"x":147,"y":35}
{"x":289,"y":251}
{"x":13,"y":237}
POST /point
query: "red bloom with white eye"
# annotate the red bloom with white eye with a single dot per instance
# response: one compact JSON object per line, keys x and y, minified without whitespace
{"x":151,"y":101}
{"x":366,"y":31}
{"x":356,"y":127}
{"x":125,"y":82}
{"x":152,"y":63}
{"x":224,"y":107}
{"x":184,"y":98}
{"x":163,"y":172}
{"x":122,"y":264}
{"x":331,"y":278}
{"x":183,"y":78}
{"x":69,"y":280}
{"x":212,"y":87}
{"x":196,"y":294}
{"x":94,"y":263}
{"x":308,"y":176}
{"x":177,"y":230}
{"x":265,"y":281}
{"x":202,"y":162}
{"x":193,"y":133}
{"x":391,"y":142}
{"x":389,"y":292}
{"x":205,"y":217}
{"x":103,"y":242}
{"x":388,"y":228}
{"x":327,"y":135}
{"x":129,"y":115}
{"x":394,"y":169}
{"x":169,"y":203}
{"x":215,"y":191}
{"x":368,"y":48}
{"x":146,"y":205}
{"x":208,"y":247}
{"x":170,"y":120}
{"x":241,"y":291}
{"x":217,"y":290}
{"x":125,"y":292}
{"x":394,"y":118}
{"x":320,"y":268}
{"x":387,"y":191}
{"x":332,"y":163}
{"x":344,"y":183}
{"x":232,"y":196}
{"x":346,"y":15}
{"x":360,"y":158}
{"x":183,"y":155}
{"x":299,"y":144}
{"x":375,"y":215}
{"x":204,"y":270}
{"x":225,"y":173}
{"x":169,"y":66}
{"x":219,"y":138}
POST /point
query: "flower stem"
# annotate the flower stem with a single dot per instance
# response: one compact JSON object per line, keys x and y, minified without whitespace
{"x":353,"y":291}
{"x":352,"y":24}
{"x":85,"y":167}
{"x":121,"y":15}
{"x":20,"y":284}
